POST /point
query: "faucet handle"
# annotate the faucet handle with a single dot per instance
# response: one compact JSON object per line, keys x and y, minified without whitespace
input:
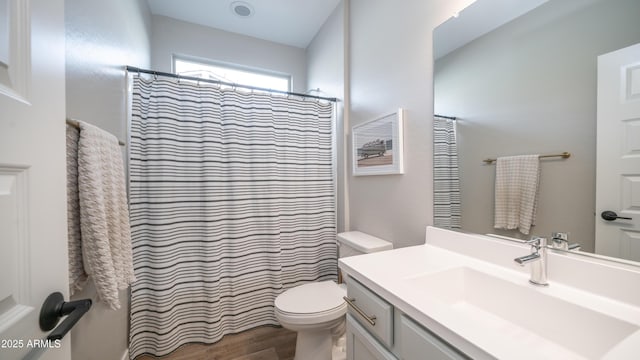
{"x":560,"y":240}
{"x":533,"y":240}
{"x":560,"y":236}
{"x":537,"y":242}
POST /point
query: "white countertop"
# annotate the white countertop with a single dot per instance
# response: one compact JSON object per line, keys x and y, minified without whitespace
{"x":396,"y":276}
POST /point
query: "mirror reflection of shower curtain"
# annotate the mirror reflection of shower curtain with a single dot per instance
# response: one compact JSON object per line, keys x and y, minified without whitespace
{"x":232,"y":202}
{"x":446,"y":177}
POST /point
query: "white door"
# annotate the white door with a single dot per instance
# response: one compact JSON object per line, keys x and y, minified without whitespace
{"x":33,"y":246}
{"x":618,"y":154}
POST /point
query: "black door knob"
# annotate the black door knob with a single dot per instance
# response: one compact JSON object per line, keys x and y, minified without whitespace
{"x":54,"y":308}
{"x":611,"y":215}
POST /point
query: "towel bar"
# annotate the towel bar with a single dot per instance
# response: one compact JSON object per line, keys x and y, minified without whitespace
{"x":563,"y":155}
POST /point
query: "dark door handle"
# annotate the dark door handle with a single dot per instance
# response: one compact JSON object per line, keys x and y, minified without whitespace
{"x":54,"y":308}
{"x":611,"y":215}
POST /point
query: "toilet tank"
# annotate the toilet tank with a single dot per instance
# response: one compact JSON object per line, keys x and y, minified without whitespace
{"x":356,"y":243}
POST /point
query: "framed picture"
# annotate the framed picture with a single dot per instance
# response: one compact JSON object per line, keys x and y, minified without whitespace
{"x":377,"y":146}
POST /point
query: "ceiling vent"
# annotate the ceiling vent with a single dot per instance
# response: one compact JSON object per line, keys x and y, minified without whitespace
{"x":242,"y":9}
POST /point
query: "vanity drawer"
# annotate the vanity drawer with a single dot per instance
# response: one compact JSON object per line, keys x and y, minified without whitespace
{"x":373,"y":312}
{"x":418,"y":343}
{"x":362,"y":346}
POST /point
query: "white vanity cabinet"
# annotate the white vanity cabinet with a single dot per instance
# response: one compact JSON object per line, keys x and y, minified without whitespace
{"x":376,"y":330}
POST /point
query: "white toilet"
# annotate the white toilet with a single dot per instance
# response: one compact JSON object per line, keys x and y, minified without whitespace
{"x":317,"y":310}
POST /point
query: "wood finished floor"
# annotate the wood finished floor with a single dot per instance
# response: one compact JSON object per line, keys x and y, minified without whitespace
{"x":263,"y":343}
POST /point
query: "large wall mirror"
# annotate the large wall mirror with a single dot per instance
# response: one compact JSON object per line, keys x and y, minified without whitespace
{"x":527,"y":84}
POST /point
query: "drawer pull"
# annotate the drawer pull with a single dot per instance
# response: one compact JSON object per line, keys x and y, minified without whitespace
{"x":370,"y":319}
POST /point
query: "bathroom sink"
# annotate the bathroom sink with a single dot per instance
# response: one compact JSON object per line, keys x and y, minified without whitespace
{"x":519,"y":314}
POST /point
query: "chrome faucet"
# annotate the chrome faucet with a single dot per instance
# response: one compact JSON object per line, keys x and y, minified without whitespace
{"x":560,"y":240}
{"x":538,"y":260}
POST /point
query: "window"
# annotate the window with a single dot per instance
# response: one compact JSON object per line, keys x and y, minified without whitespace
{"x":231,"y":74}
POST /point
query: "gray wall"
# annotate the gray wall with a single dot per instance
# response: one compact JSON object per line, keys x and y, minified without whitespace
{"x":172,"y":36}
{"x":528,"y":88}
{"x":391,"y":66}
{"x":102,"y":36}
{"x":326,"y":71}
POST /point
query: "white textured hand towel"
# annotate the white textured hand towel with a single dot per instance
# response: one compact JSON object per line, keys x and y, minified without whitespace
{"x":77,"y":276}
{"x":516,"y":192}
{"x":104,"y":215}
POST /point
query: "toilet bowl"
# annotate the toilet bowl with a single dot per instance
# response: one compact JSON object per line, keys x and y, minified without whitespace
{"x":317,"y":310}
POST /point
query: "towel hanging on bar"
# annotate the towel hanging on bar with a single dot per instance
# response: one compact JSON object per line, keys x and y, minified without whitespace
{"x":76,"y":124}
{"x":99,"y":230}
{"x":516,"y":192}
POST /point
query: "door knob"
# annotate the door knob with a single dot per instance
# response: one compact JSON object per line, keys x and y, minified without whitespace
{"x":611,"y":215}
{"x":54,"y":308}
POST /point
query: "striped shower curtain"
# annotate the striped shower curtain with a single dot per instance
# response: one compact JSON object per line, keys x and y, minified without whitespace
{"x":446,"y":177}
{"x":232,"y":202}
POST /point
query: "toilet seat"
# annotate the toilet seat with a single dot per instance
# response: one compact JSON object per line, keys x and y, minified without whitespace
{"x":311,"y":303}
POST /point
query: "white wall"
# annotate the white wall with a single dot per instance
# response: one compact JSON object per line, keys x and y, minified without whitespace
{"x":102,"y":37}
{"x":528,"y":88}
{"x":172,"y":36}
{"x":391,"y":66}
{"x":326,"y":71}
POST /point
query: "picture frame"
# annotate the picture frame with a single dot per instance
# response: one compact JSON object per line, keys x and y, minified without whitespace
{"x":377,"y":146}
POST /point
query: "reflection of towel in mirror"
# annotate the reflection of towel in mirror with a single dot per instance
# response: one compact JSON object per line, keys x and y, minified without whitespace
{"x":516,"y":192}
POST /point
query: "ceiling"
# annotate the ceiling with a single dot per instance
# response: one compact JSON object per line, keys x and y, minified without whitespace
{"x":473,"y":22}
{"x":289,"y":22}
{"x":296,"y":22}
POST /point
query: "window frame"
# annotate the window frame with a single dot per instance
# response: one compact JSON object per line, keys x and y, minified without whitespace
{"x":237,"y":67}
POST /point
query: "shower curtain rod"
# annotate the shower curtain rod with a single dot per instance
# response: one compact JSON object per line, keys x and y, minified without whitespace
{"x":192,"y":78}
{"x":445,"y":117}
